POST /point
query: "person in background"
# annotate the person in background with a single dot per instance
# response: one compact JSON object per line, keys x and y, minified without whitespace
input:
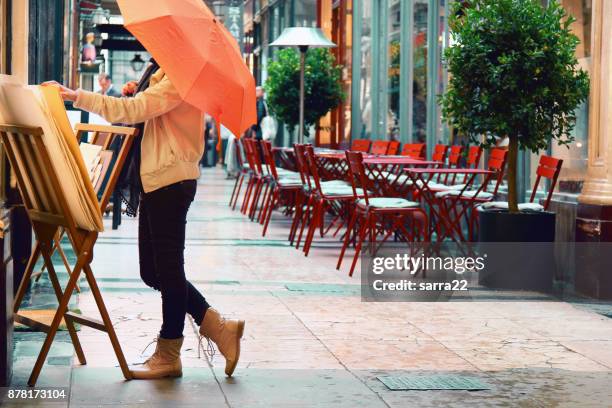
{"x":230,"y":161}
{"x":210,"y":143}
{"x":262,"y":111}
{"x":106,"y":85}
{"x":225,"y":135}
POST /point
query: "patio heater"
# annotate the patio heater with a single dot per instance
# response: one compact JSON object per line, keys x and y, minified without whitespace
{"x":302,"y":38}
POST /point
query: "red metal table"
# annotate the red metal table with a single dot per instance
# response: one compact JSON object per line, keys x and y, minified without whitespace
{"x":386,"y":174}
{"x":332,"y":164}
{"x":446,"y":213}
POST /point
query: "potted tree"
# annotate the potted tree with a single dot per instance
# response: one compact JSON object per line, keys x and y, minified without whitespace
{"x":322,"y":86}
{"x":514,"y":74}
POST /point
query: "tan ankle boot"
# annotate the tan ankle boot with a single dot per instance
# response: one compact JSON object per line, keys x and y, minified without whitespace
{"x":226,"y":334}
{"x":165,"y":362}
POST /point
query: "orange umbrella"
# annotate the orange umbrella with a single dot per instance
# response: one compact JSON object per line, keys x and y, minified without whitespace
{"x":199,"y":55}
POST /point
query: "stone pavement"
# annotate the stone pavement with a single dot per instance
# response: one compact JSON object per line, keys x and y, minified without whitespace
{"x":309,"y":340}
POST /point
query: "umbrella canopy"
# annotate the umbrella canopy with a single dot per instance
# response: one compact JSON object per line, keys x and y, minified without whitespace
{"x":198,"y":54}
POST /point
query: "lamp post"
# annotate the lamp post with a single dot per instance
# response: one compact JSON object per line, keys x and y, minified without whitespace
{"x":302,"y":38}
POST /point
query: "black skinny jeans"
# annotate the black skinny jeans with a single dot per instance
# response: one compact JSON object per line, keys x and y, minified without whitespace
{"x":161,"y":246}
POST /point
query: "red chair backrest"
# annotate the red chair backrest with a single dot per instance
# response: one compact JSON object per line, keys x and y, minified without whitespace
{"x":252,"y":156}
{"x":439,"y":153}
{"x":358,"y":174}
{"x":414,"y":150}
{"x":455,"y":155}
{"x":497,"y":163}
{"x":380,"y":147}
{"x":393,"y":147}
{"x":549,"y":168}
{"x":301,"y":164}
{"x":361,"y":145}
{"x":473,"y":157}
{"x":266,"y":148}
{"x":497,"y":159}
{"x":311,"y":161}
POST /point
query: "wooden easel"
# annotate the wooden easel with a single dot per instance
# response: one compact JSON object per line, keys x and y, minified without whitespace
{"x":49,"y":212}
{"x":102,"y":136}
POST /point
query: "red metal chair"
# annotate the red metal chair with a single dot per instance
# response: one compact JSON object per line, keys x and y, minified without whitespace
{"x":439,"y":153}
{"x":393,"y":147}
{"x":303,"y":203}
{"x":335,"y":198}
{"x":548,"y":168}
{"x":306,"y":199}
{"x":414,"y":150}
{"x":473,"y":157}
{"x":242,"y":174}
{"x":374,"y":214}
{"x":454,"y":158}
{"x":253,"y":176}
{"x":472,"y":162}
{"x":285,"y":189}
{"x":257,"y":182}
{"x":361,"y":145}
{"x":470,"y":199}
{"x":380,"y":147}
{"x":455,"y":155}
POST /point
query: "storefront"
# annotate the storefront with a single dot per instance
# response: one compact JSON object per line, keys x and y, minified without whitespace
{"x":390,"y":93}
{"x":394,"y":73}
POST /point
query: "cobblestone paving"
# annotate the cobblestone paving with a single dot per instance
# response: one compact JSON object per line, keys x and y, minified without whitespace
{"x":309,"y":340}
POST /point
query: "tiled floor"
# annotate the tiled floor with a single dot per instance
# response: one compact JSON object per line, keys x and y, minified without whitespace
{"x":316,"y":344}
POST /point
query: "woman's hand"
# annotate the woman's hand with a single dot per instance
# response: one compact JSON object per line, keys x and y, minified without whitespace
{"x":66,"y":93}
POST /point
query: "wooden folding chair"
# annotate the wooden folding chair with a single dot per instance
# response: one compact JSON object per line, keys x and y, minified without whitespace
{"x":102,"y":136}
{"x":49,"y":213}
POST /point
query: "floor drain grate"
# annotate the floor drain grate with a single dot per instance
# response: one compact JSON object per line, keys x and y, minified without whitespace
{"x":432,"y":382}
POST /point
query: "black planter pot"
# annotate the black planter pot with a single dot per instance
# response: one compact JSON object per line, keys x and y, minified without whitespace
{"x":519,"y":247}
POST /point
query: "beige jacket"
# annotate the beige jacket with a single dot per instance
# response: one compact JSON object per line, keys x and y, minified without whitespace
{"x":173,"y":139}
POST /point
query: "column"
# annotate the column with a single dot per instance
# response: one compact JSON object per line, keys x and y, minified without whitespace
{"x":594,"y":213}
{"x":596,"y":197}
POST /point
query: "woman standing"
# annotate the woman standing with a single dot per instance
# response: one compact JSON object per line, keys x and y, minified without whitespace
{"x":171,"y":147}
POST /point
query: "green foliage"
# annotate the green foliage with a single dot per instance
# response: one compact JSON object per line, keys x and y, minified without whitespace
{"x":322,"y":86}
{"x":513,"y":72}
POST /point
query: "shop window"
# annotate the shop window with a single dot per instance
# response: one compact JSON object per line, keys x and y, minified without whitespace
{"x":393,"y":69}
{"x":575,"y":156}
{"x":305,"y":13}
{"x":366,"y":70}
{"x":419,"y":74}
